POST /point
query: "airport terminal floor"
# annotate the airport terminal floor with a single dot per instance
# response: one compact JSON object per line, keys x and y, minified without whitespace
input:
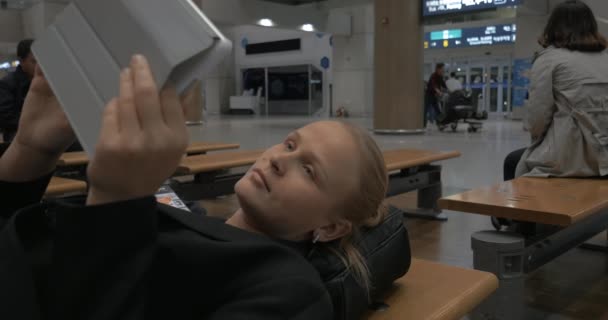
{"x":573,"y":286}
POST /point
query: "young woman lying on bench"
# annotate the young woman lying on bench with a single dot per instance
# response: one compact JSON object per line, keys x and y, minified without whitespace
{"x":121,"y":255}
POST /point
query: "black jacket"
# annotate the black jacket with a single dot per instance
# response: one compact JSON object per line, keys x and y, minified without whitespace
{"x":436,"y":82}
{"x":13,"y":90}
{"x":141,"y":260}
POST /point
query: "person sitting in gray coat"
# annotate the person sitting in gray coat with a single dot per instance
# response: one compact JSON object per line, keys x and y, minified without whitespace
{"x":568,"y":107}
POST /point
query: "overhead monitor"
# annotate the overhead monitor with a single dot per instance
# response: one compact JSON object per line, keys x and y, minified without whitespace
{"x":440,"y":7}
{"x":471,"y":37}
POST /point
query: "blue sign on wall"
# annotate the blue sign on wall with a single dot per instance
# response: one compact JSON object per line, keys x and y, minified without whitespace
{"x":325,"y":63}
{"x":244,"y":42}
{"x":521,"y":81}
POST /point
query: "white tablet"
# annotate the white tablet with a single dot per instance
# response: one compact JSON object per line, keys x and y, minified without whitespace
{"x":82,"y":53}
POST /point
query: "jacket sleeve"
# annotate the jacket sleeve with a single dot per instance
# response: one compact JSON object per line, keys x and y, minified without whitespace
{"x":297,"y":298}
{"x":15,"y":196}
{"x":541,"y":105}
{"x":8,"y":116}
{"x":102,"y":256}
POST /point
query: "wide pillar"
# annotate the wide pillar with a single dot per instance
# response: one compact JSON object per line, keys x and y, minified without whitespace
{"x":398,"y":62}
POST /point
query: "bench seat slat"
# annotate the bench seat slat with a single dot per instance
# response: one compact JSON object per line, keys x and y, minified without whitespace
{"x":218,"y":161}
{"x":433,"y":291}
{"x":395,"y":160}
{"x":70,"y":159}
{"x":408,"y":158}
{"x":59,"y":186}
{"x":561,"y":202}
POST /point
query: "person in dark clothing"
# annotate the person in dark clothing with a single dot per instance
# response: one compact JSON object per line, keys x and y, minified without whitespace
{"x":435,"y":88}
{"x":14,"y":88}
{"x":510,"y":164}
{"x":121,"y":255}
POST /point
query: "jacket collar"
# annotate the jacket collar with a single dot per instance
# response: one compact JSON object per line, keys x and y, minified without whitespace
{"x":209,"y":227}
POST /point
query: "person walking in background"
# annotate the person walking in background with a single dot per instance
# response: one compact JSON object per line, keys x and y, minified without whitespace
{"x":435,"y":88}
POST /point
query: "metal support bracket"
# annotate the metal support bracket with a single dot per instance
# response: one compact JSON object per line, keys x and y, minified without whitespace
{"x":427,"y":180}
{"x":510,"y":256}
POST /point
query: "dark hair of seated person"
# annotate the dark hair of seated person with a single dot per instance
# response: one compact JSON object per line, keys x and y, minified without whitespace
{"x":573,"y":26}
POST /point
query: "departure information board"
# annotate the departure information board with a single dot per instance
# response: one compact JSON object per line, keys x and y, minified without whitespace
{"x":471,"y":37}
{"x":439,"y":7}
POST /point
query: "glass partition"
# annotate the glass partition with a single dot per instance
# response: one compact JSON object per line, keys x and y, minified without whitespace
{"x":286,"y":90}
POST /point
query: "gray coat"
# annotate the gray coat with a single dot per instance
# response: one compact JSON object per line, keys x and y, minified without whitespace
{"x":567,"y":115}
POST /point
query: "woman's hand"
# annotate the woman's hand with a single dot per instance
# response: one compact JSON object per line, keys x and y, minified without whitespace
{"x":43,"y":135}
{"x":43,"y":126}
{"x":142,"y":139}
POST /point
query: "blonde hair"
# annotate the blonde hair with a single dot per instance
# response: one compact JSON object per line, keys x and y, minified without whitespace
{"x":364,"y":206}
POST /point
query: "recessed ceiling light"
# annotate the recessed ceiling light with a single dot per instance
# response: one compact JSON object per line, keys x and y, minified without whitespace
{"x":308,"y":27}
{"x":266,"y":22}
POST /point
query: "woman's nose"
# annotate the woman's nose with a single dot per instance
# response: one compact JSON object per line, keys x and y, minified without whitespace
{"x":277,"y":165}
{"x":281,"y":162}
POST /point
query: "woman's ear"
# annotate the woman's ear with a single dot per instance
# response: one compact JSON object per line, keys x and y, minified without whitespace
{"x":334,"y":230}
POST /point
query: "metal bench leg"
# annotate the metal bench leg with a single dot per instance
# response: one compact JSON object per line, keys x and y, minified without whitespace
{"x":502,"y":254}
{"x":427,"y":204}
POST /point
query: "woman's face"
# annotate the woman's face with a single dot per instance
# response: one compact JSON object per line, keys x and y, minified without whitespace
{"x":296,"y":186}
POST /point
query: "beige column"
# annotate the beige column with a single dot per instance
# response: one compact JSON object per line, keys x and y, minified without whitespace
{"x":193,"y":104}
{"x":398,"y":60}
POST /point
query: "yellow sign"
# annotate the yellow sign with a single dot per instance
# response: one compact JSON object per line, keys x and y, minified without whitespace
{"x":446,"y":43}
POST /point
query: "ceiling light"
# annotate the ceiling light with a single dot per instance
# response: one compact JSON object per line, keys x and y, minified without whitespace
{"x":266,"y":22}
{"x":308,"y":27}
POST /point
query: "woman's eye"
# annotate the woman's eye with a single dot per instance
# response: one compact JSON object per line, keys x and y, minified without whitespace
{"x":309,"y":171}
{"x":289,"y":146}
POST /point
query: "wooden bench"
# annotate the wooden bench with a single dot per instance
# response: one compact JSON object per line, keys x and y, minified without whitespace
{"x":202,"y":147}
{"x":70,"y":159}
{"x":432,"y":291}
{"x":212,"y":176}
{"x":217,"y":161}
{"x":565,"y":213}
{"x":409,"y":158}
{"x":61,"y":186}
{"x":410,"y":169}
{"x":560,"y":202}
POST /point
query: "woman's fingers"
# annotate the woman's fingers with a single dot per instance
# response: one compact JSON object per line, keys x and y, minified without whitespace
{"x":171,"y":107}
{"x":143,"y":137}
{"x":146,"y":95}
{"x":128,"y":119}
{"x":110,"y":124}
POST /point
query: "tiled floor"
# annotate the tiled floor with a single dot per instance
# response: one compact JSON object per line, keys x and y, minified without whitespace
{"x":574,"y":286}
